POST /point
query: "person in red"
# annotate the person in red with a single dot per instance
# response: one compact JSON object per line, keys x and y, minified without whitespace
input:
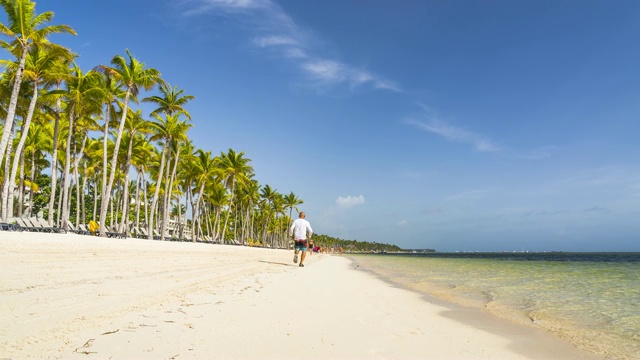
{"x":301,"y":232}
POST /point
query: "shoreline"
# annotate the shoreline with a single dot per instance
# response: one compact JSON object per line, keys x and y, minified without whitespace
{"x":72,"y":296}
{"x":524,"y":337}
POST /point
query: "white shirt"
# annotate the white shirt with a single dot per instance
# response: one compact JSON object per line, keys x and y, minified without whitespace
{"x":299,"y":228}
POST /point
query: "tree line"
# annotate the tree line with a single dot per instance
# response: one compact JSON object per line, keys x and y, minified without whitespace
{"x":86,"y":128}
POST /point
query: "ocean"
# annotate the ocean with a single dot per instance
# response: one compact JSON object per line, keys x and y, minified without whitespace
{"x":590,"y":299}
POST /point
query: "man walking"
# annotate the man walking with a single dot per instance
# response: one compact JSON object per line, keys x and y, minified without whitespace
{"x":299,"y":230}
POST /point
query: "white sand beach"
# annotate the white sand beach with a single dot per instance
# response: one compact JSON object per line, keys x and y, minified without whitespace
{"x":79,"y":297}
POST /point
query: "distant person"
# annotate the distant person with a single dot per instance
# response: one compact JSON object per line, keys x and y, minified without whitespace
{"x":300,"y":231}
{"x":310,"y":247}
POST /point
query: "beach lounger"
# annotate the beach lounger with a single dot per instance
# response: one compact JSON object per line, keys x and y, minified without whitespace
{"x":27,"y":226}
{"x":141,"y":232}
{"x":10,"y":226}
{"x":83,"y":228}
{"x":78,"y":230}
{"x":113,"y":233}
{"x":38,"y":222}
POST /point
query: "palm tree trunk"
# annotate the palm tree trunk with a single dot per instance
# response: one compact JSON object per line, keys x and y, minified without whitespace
{"x":124,"y":224}
{"x":21,"y":186}
{"x":226,"y":220}
{"x":76,"y":174}
{"x":168,"y":191}
{"x":67,"y":165}
{"x":84,"y":192}
{"x":7,"y":170}
{"x":95,"y":199}
{"x":196,"y":213}
{"x":114,"y":161}
{"x":9,"y":186}
{"x":164,"y":200}
{"x":33,"y":179}
{"x":13,"y":104}
{"x":155,"y":197}
{"x":138,"y":179}
{"x":105,"y":166}
{"x":54,"y":160}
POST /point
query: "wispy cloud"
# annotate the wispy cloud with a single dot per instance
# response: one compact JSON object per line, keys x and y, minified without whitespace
{"x":429,"y":122}
{"x":272,"y":28}
{"x":349,"y":201}
{"x":453,"y":133}
{"x":199,"y":7}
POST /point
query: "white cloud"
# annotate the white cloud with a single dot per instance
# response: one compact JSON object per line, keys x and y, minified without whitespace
{"x":350,"y":201}
{"x":273,"y":28}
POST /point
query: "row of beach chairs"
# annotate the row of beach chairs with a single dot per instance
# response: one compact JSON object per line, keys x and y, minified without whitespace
{"x":35,"y":224}
{"x":30,"y":224}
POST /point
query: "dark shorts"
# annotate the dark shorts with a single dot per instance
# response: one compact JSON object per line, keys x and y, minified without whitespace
{"x":301,"y":245}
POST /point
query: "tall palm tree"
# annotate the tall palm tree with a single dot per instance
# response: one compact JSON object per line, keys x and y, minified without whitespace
{"x":133,"y":75}
{"x":25,"y":27}
{"x":234,"y":167}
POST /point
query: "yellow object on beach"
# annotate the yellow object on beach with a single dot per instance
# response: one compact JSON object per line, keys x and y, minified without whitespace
{"x":93,"y":227}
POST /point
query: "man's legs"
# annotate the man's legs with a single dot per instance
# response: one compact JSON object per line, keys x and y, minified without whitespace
{"x":302,"y":257}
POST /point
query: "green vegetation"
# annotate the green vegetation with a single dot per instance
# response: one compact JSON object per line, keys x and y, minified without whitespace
{"x":328,"y":242}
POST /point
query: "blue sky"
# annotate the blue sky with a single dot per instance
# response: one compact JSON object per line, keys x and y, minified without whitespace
{"x":453,"y":125}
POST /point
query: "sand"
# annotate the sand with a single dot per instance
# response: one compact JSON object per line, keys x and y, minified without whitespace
{"x":79,"y":297}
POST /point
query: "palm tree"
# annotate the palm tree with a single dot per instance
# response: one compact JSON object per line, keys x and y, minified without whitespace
{"x":38,"y":140}
{"x":64,"y":72}
{"x":268,"y":195}
{"x":250,"y":197}
{"x":179,"y":137}
{"x":84,"y":96}
{"x":172,"y":101}
{"x":133,"y":75}
{"x":234,"y":168}
{"x":136,"y":126}
{"x":292,"y":201}
{"x":205,"y":167}
{"x":112,"y":94}
{"x":25,"y":28}
{"x":141,"y":153}
{"x":164,"y":129}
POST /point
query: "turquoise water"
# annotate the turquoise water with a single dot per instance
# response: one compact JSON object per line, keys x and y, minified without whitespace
{"x":591,"y":300}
